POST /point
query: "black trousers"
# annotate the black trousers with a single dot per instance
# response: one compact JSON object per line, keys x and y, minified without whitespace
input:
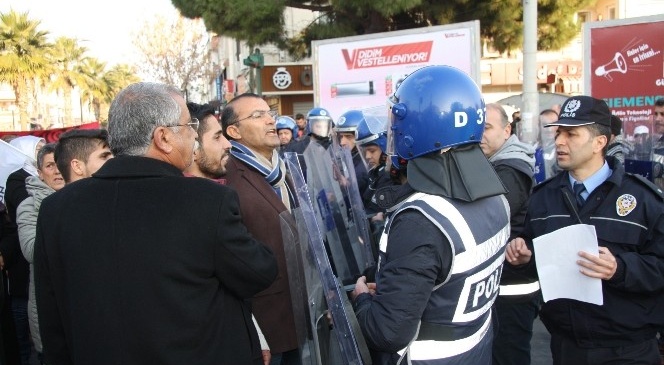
{"x":513,"y":323}
{"x":566,"y":352}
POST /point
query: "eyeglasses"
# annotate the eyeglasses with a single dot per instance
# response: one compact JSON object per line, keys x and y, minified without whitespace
{"x":258,"y":114}
{"x":193,"y":124}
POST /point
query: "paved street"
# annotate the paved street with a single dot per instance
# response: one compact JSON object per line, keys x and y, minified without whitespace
{"x":540,"y":352}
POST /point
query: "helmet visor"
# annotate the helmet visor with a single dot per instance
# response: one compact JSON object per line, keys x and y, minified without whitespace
{"x":320,"y":126}
{"x":391,"y":149}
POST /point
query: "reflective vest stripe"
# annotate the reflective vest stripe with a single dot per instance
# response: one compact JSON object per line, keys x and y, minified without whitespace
{"x":519,"y":289}
{"x":431,"y":350}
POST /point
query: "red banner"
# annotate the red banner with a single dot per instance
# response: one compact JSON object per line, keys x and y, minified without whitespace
{"x":50,"y":135}
{"x":626,"y":70}
{"x":398,"y":54}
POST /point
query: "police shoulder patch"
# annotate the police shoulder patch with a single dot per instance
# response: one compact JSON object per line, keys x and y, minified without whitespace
{"x":625,"y":204}
{"x":649,"y":184}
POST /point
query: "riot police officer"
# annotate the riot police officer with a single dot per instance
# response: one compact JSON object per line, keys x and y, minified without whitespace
{"x":286,"y":130}
{"x":443,"y":247}
{"x":319,"y":128}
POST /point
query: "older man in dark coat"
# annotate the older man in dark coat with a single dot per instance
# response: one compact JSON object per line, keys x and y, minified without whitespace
{"x":140,"y":265}
{"x":258,"y":174}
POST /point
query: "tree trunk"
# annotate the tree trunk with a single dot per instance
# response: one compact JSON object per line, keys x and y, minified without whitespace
{"x":69,"y":121}
{"x":21,"y":94}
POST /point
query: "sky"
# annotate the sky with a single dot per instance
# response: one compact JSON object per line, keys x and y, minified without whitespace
{"x":104,"y":27}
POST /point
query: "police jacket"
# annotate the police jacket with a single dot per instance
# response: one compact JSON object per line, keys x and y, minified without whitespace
{"x":437,"y":280}
{"x":626,"y":211}
{"x":516,"y":286}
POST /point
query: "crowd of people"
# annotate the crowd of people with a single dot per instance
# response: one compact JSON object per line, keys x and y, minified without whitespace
{"x":160,"y":240}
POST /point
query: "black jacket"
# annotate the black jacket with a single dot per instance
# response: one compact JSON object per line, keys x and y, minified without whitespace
{"x":15,"y":263}
{"x":633,"y":306}
{"x":141,"y":265}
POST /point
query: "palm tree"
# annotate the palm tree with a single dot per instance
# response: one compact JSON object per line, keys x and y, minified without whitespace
{"x":96,"y":89}
{"x":67,"y":56}
{"x":119,"y":77}
{"x":23,"y":49}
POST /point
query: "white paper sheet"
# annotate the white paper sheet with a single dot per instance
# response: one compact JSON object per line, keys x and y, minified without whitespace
{"x":556,"y":254}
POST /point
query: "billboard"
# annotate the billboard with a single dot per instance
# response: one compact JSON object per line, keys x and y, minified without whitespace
{"x":361,"y":71}
{"x":625,"y":63}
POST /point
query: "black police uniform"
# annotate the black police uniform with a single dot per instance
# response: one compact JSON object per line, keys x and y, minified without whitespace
{"x":627,"y":212}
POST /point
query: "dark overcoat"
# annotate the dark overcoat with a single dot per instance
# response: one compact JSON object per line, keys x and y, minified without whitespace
{"x":261,"y":208}
{"x":141,"y":265}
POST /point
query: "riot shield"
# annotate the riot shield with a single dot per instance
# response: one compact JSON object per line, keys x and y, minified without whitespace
{"x":315,"y":289}
{"x":339,"y":210}
{"x":641,"y":158}
{"x":545,"y":154}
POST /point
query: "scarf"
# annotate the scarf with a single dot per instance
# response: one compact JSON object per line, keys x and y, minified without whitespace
{"x":273,"y":171}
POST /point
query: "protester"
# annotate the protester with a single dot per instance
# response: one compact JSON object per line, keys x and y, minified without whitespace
{"x":38,"y":187}
{"x":516,"y":119}
{"x":626,"y":212}
{"x":643,"y":144}
{"x":141,"y":265}
{"x":301,"y":122}
{"x":258,"y":174}
{"x":618,"y":145}
{"x":658,"y":152}
{"x":15,"y":263}
{"x":519,"y":296}
{"x":210,"y":158}
{"x":431,"y":303}
{"x":9,"y":352}
{"x":81,"y":152}
{"x":213,"y":149}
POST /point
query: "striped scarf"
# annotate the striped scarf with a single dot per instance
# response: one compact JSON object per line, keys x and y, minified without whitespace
{"x":274,"y":175}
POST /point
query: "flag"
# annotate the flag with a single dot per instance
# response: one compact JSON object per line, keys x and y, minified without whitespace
{"x":11,"y":159}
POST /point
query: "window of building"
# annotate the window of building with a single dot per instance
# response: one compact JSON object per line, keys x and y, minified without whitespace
{"x":582,"y":16}
{"x":612,"y":12}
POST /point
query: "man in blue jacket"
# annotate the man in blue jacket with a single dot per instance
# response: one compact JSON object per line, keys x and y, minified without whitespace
{"x":626,"y":211}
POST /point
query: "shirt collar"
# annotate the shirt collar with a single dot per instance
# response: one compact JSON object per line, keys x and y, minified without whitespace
{"x":595,"y":180}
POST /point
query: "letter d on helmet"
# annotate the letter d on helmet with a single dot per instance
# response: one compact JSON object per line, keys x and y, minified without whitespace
{"x":435,"y":107}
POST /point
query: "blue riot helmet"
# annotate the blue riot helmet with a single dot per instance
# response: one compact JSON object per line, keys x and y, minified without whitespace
{"x":434,"y":108}
{"x":346,"y":128}
{"x":372,"y":132}
{"x":373,"y":128}
{"x":285,"y":122}
{"x":349,"y":121}
{"x":319,"y":122}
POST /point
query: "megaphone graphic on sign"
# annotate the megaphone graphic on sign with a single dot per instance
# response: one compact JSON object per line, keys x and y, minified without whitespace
{"x":616,"y":64}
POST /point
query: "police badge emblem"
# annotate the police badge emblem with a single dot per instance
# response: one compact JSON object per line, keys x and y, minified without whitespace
{"x":625,"y":204}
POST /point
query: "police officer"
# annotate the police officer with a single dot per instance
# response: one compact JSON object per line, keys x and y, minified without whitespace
{"x":286,"y":130}
{"x":626,"y":211}
{"x":345,"y":130}
{"x":443,"y":247}
{"x":372,"y":146}
{"x":319,"y":128}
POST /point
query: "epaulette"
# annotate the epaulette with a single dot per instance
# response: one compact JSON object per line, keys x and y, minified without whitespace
{"x":649,"y":184}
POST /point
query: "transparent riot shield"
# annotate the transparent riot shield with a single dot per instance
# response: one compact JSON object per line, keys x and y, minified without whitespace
{"x":338,"y":206}
{"x":641,"y":158}
{"x":545,"y":154}
{"x":315,"y":289}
